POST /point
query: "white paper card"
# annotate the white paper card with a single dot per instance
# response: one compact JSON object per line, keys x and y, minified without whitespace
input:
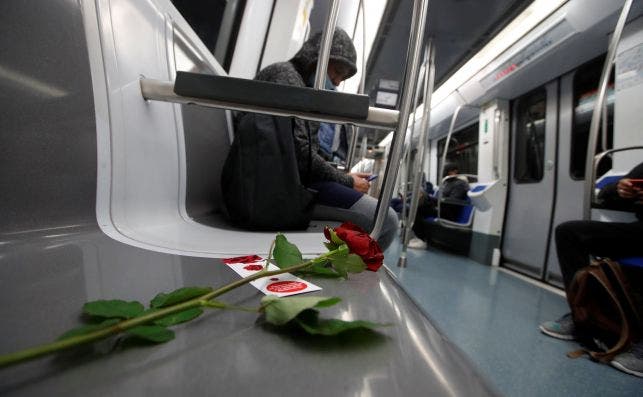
{"x":284,"y":284}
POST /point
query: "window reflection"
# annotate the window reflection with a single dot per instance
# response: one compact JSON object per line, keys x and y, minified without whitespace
{"x":530,"y":137}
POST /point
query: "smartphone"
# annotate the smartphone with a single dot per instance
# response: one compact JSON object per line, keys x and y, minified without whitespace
{"x":374,"y":176}
{"x":637,"y":183}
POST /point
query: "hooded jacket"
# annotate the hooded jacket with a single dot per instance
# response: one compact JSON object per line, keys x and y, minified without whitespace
{"x":296,"y":72}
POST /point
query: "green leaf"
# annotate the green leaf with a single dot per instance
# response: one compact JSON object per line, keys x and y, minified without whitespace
{"x":113,"y":308}
{"x":85,"y":329}
{"x":331,"y":246}
{"x":312,"y":324}
{"x":178,"y":296}
{"x":285,"y":253}
{"x":351,"y":263}
{"x":151,"y":333}
{"x":281,"y":310}
{"x":180,"y":317}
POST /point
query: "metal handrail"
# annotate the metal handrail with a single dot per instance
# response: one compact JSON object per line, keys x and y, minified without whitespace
{"x":429,"y":81}
{"x":360,"y":90}
{"x":164,"y":91}
{"x":418,"y":23}
{"x":596,"y":114}
{"x":325,"y":44}
{"x":408,"y":148}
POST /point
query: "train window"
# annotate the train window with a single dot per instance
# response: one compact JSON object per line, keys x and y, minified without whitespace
{"x":529,"y":152}
{"x":586,"y":82}
{"x":463,"y":150}
{"x":216,"y":22}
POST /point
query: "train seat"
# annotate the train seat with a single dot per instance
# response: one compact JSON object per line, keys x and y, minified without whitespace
{"x":634,"y":261}
{"x":159,"y":164}
{"x":453,"y":235}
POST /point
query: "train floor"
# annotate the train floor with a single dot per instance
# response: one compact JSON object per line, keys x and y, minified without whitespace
{"x":493,"y":316}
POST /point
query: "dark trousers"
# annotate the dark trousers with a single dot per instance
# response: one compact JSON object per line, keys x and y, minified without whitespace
{"x":425,"y":210}
{"x":576,"y":241}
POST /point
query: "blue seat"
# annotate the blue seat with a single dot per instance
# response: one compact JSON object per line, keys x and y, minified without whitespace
{"x":631,"y":261}
{"x":606,"y":180}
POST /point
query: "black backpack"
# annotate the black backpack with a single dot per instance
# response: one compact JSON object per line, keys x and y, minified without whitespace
{"x":607,"y":318}
{"x":260,"y":182}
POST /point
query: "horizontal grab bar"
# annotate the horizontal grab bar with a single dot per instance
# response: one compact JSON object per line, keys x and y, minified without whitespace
{"x":158,"y":90}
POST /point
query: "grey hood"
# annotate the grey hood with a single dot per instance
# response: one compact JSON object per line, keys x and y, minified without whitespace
{"x":342,"y":50}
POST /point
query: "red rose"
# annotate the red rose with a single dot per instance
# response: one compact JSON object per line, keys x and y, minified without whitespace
{"x":360,"y":243}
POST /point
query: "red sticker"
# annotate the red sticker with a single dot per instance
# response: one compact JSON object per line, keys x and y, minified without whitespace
{"x":253,"y":268}
{"x":286,"y":286}
{"x":242,"y":259}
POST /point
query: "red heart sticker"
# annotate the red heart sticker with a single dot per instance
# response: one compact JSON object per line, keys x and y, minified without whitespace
{"x":286,"y":286}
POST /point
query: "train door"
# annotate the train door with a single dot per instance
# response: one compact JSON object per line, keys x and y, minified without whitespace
{"x":532,"y":180}
{"x":577,"y":96}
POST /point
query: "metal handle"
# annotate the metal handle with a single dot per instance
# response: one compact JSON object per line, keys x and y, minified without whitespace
{"x":325,"y":44}
{"x":418,"y":23}
{"x":164,"y":91}
{"x":596,"y":114}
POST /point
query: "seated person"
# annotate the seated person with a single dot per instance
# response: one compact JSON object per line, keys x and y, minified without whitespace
{"x":454,"y":187}
{"x":576,"y":241}
{"x":341,"y":197}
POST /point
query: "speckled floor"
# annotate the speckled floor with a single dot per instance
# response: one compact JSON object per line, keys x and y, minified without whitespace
{"x":493,"y":317}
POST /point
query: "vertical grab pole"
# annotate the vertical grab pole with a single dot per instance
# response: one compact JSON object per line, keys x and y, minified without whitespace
{"x":429,"y":80}
{"x":325,"y":44}
{"x":360,"y":90}
{"x":406,"y":175}
{"x":590,"y":172}
{"x":446,"y":149}
{"x":418,"y":23}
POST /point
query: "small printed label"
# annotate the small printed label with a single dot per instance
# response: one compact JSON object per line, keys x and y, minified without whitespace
{"x":284,"y":284}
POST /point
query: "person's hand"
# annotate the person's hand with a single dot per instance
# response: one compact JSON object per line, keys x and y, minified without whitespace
{"x":626,"y":190}
{"x":359,"y":181}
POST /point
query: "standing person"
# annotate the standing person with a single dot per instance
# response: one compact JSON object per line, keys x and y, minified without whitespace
{"x":577,"y":241}
{"x":340,"y":196}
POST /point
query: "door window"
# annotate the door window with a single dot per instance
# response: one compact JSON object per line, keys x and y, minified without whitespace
{"x":586,"y":82}
{"x":529,"y":135}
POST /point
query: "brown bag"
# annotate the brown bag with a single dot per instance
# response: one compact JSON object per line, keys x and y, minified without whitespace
{"x":606,"y":318}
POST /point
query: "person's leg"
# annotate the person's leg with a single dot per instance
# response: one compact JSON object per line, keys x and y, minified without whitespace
{"x":577,"y":240}
{"x":340,"y":203}
{"x":425,"y":210}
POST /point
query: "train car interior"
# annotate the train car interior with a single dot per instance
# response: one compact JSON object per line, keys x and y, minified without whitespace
{"x":118,"y":117}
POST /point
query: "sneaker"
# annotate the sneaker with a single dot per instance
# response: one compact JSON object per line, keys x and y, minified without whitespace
{"x":416,"y":243}
{"x":630,"y":361}
{"x":563,"y":328}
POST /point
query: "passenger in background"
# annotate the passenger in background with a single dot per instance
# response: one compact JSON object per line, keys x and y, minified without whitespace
{"x":576,"y":241}
{"x":341,"y":196}
{"x":454,"y":188}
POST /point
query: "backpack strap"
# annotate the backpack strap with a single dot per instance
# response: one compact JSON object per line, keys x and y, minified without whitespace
{"x":617,"y":271}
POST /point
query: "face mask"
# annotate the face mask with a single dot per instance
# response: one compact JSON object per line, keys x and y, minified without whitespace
{"x":328,"y":85}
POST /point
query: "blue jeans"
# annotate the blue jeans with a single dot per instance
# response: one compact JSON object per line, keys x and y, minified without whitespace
{"x":336,"y":202}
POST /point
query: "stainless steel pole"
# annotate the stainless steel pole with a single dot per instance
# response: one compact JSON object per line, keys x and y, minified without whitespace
{"x":429,"y":80}
{"x":325,"y":44}
{"x":360,"y":90}
{"x":590,"y":173}
{"x":418,"y":23}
